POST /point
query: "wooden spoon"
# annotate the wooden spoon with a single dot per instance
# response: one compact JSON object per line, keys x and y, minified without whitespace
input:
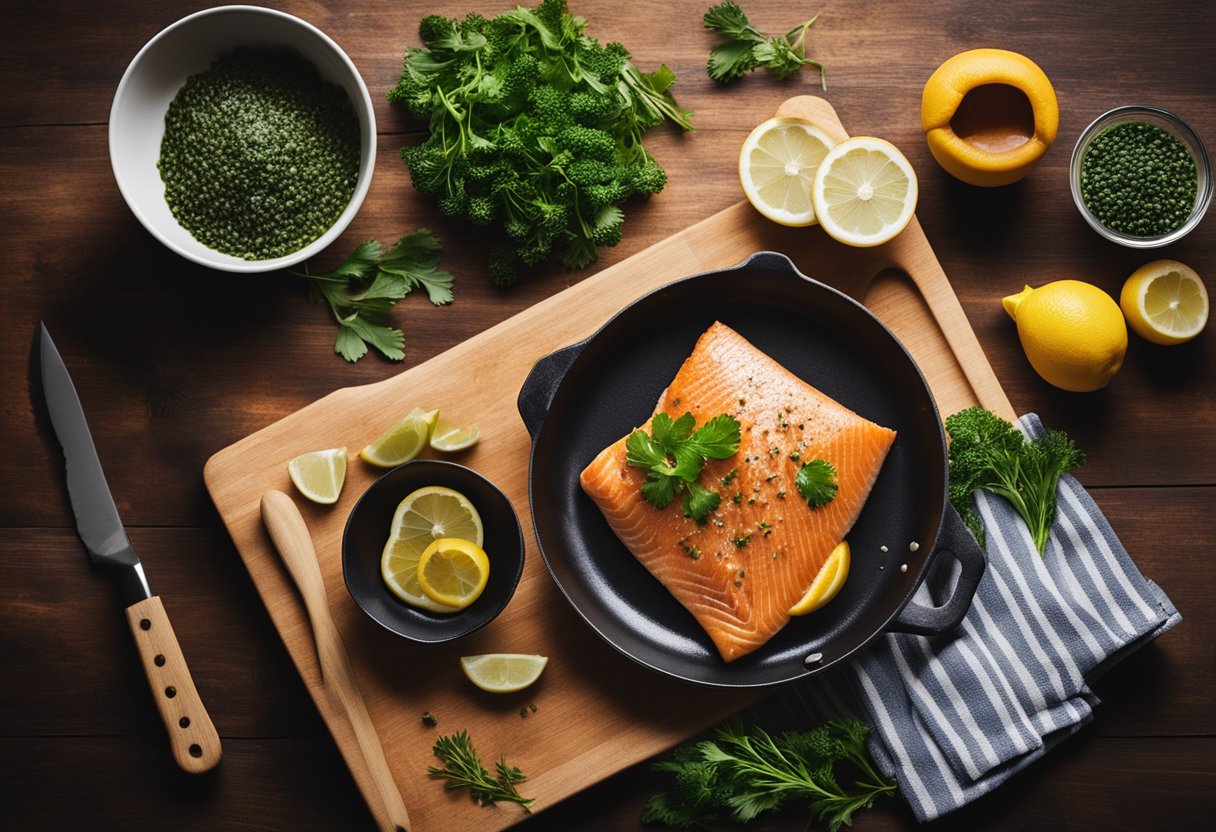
{"x":291,"y":538}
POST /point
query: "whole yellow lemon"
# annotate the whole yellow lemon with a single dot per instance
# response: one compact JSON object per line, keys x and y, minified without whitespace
{"x":1072,"y":332}
{"x":989,"y":115}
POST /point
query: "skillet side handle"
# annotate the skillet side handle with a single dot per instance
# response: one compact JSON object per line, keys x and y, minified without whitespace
{"x":538,"y":388}
{"x":955,"y":540}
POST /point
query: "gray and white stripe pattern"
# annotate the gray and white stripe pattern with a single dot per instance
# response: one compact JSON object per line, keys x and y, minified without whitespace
{"x":957,"y":715}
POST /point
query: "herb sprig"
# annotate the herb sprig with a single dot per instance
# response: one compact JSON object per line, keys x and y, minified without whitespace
{"x":744,"y":773}
{"x":361,"y":291}
{"x":989,"y":453}
{"x":673,"y":455}
{"x":747,"y":48}
{"x":463,"y":769}
{"x":816,"y":482}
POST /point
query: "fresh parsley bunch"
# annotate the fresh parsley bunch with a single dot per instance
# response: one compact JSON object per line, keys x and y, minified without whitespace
{"x":535,"y":128}
{"x":742,"y":773}
{"x":361,"y":291}
{"x":673,"y":456}
{"x":988,"y":453}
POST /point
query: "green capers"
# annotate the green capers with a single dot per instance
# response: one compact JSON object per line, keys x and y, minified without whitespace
{"x":260,"y":155}
{"x":1138,"y":180}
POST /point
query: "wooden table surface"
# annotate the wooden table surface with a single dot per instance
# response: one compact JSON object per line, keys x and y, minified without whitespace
{"x":174,"y":362}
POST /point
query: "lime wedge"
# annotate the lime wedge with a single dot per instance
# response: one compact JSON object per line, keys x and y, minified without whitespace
{"x":449,"y":438}
{"x":403,"y":441}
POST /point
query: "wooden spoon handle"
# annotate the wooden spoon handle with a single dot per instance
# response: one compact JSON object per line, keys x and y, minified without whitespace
{"x":291,"y":538}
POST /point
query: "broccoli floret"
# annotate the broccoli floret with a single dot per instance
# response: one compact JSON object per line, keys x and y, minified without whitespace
{"x":588,"y":143}
{"x":481,"y":210}
{"x":589,"y":108}
{"x":608,"y":193}
{"x":550,"y":107}
{"x":647,"y":179}
{"x":433,"y":28}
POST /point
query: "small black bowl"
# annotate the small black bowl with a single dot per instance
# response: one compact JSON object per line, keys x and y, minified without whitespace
{"x":367,"y":530}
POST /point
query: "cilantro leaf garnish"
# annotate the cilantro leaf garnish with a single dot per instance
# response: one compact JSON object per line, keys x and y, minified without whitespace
{"x":816,"y":482}
{"x":366,"y":285}
{"x":673,"y":454}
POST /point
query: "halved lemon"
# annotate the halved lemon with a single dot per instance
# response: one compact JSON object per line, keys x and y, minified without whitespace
{"x":449,"y":438}
{"x":453,"y":572}
{"x":424,"y":516}
{"x":827,"y":583}
{"x":864,"y":192}
{"x":1165,"y":302}
{"x":403,"y":441}
{"x":319,"y":475}
{"x":503,"y":672}
{"x":777,"y":164}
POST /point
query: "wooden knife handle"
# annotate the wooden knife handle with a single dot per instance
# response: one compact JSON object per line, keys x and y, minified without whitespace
{"x":290,"y":536}
{"x":196,"y":745}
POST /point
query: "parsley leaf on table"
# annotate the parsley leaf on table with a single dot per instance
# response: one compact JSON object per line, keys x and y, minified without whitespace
{"x":673,"y":455}
{"x":367,"y":284}
{"x":462,"y":768}
{"x":747,"y":48}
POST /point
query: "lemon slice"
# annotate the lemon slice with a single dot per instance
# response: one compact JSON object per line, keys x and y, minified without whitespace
{"x":776,"y":166}
{"x":864,"y":192}
{"x":453,"y":572}
{"x":827,"y":583}
{"x":449,"y":438}
{"x":1165,"y":302}
{"x":403,"y":441}
{"x":319,"y":474}
{"x":503,"y":672}
{"x":424,"y":516}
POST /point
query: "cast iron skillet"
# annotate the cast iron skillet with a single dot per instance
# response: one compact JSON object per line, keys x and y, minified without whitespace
{"x":580,"y":399}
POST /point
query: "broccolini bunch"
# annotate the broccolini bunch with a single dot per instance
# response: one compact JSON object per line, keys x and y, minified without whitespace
{"x":534,"y":128}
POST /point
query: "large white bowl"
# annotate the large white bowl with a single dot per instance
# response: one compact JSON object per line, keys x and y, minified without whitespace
{"x":137,"y":117}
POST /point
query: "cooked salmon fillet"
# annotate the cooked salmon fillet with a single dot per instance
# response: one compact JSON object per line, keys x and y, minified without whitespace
{"x":741,"y":571}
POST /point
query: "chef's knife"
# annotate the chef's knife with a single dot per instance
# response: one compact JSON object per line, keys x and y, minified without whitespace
{"x":196,"y":745}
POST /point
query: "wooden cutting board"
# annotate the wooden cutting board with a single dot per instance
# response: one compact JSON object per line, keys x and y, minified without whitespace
{"x":597,"y":712}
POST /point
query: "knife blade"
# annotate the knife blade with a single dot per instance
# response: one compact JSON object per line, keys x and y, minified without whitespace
{"x":193,"y":738}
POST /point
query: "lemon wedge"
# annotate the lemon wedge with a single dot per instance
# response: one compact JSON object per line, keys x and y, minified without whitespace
{"x":776,"y":166}
{"x":319,"y":475}
{"x":864,"y":192}
{"x":453,"y":572}
{"x":449,"y":438}
{"x":424,"y":516}
{"x":1165,"y":302}
{"x":503,"y":672}
{"x":827,"y":583}
{"x":403,"y":441}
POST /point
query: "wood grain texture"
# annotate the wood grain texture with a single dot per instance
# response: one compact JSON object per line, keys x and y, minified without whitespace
{"x":173,"y":363}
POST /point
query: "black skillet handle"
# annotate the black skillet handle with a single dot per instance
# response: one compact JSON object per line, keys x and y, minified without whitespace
{"x":955,"y":540}
{"x":541,"y":384}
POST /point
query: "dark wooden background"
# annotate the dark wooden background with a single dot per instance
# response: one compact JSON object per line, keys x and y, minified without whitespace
{"x":174,"y":362}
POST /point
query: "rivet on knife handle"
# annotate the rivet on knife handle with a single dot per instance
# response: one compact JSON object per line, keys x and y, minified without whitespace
{"x":291,"y":538}
{"x":196,"y":745}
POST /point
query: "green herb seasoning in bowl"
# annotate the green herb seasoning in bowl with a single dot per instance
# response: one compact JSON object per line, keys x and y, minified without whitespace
{"x":1140,"y":176}
{"x":243,"y":138}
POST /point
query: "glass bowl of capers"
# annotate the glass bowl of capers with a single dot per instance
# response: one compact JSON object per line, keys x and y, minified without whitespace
{"x":1140,"y":176}
{"x":243,"y":138}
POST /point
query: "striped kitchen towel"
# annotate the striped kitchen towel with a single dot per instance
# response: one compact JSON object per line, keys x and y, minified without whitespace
{"x":955,"y":716}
